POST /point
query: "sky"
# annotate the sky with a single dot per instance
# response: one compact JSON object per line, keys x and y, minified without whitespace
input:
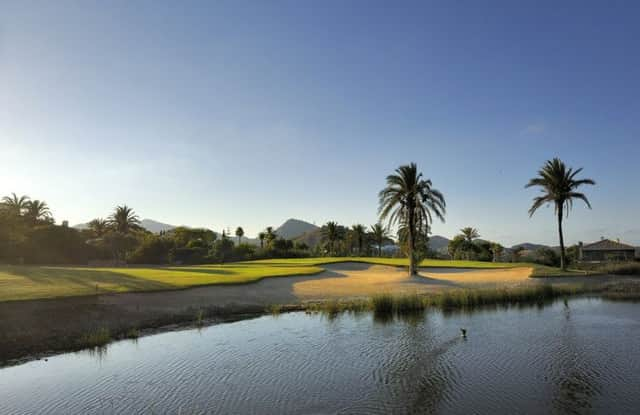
{"x":239,"y":113}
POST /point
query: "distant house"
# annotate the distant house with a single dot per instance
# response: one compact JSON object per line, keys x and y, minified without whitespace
{"x":606,"y":250}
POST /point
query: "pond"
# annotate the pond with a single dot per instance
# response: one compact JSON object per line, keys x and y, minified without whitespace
{"x":583,"y":356}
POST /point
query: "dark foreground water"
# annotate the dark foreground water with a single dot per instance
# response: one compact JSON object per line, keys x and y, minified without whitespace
{"x":584,"y":358}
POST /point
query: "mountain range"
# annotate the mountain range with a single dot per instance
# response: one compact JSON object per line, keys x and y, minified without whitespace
{"x":149,"y":224}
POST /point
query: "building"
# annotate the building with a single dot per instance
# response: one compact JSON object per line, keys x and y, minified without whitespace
{"x":606,"y":250}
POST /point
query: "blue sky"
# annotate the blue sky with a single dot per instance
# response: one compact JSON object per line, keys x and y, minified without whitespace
{"x":221,"y":114}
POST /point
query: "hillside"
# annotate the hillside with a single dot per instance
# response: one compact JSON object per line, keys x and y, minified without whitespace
{"x":293,"y":228}
{"x":439,"y":243}
{"x":148,"y":224}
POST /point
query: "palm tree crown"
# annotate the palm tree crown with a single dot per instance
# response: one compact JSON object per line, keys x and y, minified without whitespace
{"x":124,"y":219}
{"x":239,"y":233}
{"x":15,"y":204}
{"x":331,"y":232}
{"x":359,"y":232}
{"x":99,"y":227}
{"x":470,"y":233}
{"x":37,"y":210}
{"x":558,"y":185}
{"x":379,"y":234}
{"x":410,"y":200}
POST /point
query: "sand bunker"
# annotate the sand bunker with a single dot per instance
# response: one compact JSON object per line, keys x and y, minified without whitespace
{"x":357,"y":280}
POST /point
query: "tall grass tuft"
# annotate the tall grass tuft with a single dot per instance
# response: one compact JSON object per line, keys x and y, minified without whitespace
{"x":96,"y":338}
{"x":382,"y":303}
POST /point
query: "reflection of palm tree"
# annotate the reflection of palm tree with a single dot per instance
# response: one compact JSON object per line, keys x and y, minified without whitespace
{"x":124,"y":219}
{"x":411,"y":201}
{"x":558,"y":185}
{"x":16,"y":205}
{"x":379,"y":234}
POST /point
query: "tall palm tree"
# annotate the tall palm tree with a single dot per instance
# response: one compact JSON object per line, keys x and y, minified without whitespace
{"x":558,"y":185}
{"x":412,"y":201}
{"x":359,"y":232}
{"x":270,"y":235}
{"x":16,"y":205}
{"x":379,"y":234}
{"x":124,"y":219}
{"x":239,"y":234}
{"x":331,"y":233}
{"x":99,"y":227}
{"x":262,"y":236}
{"x":37,"y":210}
{"x":470,"y":233}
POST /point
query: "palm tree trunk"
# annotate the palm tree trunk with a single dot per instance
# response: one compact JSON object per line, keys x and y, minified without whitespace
{"x":563,"y":265}
{"x":379,"y":247}
{"x":412,"y":259}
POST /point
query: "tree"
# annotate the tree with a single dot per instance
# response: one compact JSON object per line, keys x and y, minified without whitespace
{"x":470,"y":233}
{"x":98,"y":227}
{"x":558,"y":185}
{"x":359,"y":232}
{"x":412,"y":201}
{"x":516,"y":253}
{"x":37,"y":211}
{"x":262,"y":236}
{"x":496,"y":250}
{"x":331,"y":233}
{"x":124,"y":220}
{"x":270,"y":236}
{"x":239,"y":234}
{"x":16,"y":205}
{"x":379,"y":234}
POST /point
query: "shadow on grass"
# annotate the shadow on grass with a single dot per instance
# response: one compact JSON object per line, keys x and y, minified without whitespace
{"x":87,"y":278}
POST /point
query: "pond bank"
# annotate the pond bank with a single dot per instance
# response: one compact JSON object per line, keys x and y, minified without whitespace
{"x":40,"y":327}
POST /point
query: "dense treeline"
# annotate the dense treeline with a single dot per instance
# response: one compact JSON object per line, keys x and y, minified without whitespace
{"x":29,"y":235}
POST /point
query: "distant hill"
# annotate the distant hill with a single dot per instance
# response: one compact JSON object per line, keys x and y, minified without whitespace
{"x":155,"y":226}
{"x":528,"y":246}
{"x":149,"y":224}
{"x":439,"y":243}
{"x":293,"y":228}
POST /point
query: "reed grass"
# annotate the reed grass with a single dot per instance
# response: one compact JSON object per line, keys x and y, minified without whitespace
{"x":96,"y":338}
{"x":457,"y":299}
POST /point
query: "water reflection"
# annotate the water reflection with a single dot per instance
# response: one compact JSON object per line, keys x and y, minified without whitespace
{"x":564,"y":358}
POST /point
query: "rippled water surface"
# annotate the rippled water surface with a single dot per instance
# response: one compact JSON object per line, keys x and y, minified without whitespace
{"x":584,"y":358}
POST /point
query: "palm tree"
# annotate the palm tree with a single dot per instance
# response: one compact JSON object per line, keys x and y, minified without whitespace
{"x":16,"y":205}
{"x":411,"y":201}
{"x":470,"y":233}
{"x":239,"y":233}
{"x":36,"y":211}
{"x":379,"y":234}
{"x":558,"y":185}
{"x":124,"y":219}
{"x":99,"y":227}
{"x":270,"y":235}
{"x":262,"y":237}
{"x":331,"y":232}
{"x":359,"y":232}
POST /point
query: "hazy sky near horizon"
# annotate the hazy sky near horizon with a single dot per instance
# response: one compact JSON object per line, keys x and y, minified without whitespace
{"x":230,"y":113}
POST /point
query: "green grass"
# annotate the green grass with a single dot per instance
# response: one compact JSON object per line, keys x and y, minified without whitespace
{"x":34,"y":282}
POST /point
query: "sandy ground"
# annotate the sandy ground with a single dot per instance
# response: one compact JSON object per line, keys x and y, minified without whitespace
{"x":31,"y":327}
